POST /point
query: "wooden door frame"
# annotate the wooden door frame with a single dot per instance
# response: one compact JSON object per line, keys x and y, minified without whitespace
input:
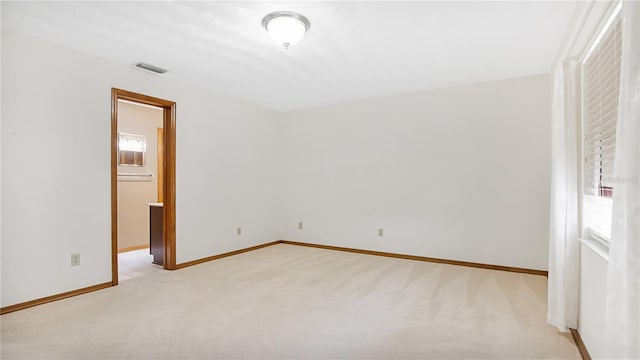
{"x":169,"y":201}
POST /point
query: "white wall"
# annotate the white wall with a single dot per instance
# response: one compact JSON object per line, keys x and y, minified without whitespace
{"x":56,"y":167}
{"x":133,"y":213}
{"x":593,"y":291}
{"x":459,"y":173}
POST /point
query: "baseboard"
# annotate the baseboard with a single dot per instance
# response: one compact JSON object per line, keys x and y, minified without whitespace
{"x":580,"y":344}
{"x":64,"y":295}
{"x":67,"y":294}
{"x":133,"y":248}
{"x":219,"y":256}
{"x":44,"y":300}
{"x":422,"y":258}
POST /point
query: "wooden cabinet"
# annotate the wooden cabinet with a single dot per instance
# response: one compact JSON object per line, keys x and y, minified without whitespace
{"x":156,"y":243}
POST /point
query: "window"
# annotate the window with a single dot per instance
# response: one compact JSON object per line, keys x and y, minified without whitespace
{"x":131,"y":149}
{"x":601,"y":83}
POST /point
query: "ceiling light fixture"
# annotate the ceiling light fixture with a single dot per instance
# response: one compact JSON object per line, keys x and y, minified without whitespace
{"x":286,"y":27}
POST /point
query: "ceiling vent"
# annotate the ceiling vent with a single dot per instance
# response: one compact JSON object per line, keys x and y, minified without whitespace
{"x":149,"y":68}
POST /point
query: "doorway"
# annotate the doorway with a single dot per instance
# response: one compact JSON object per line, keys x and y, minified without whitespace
{"x":165,"y":173}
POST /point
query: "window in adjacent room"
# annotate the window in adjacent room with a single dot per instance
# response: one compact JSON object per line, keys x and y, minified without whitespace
{"x":131,"y":149}
{"x":601,"y":83}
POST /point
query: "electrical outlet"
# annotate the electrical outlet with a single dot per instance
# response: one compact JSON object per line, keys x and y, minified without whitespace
{"x":75,"y":259}
{"x":381,"y":232}
{"x":300,"y":225}
{"x":239,"y":231}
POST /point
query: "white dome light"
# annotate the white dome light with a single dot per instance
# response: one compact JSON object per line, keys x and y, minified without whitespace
{"x":285,"y":27}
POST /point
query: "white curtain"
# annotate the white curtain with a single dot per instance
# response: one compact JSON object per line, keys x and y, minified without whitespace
{"x":622,"y":315}
{"x":564,"y":225}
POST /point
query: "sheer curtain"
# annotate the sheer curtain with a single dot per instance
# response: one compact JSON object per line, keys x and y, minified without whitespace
{"x":622,"y":316}
{"x":564,"y":225}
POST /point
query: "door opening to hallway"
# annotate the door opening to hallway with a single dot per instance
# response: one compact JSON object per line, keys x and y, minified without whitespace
{"x":143,"y":184}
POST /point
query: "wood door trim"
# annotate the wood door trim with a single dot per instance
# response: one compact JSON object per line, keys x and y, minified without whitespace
{"x":169,"y":192}
{"x":160,"y":164}
{"x":169,"y":213}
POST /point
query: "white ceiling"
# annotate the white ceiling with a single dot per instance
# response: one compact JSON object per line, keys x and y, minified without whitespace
{"x":353,"y":50}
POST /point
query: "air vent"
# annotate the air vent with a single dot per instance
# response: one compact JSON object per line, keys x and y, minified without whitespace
{"x":149,"y":68}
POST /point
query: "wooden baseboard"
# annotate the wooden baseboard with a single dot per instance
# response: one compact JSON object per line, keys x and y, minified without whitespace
{"x":44,"y":300}
{"x":67,"y":294}
{"x":230,"y":253}
{"x":580,"y":344}
{"x":133,"y":248}
{"x":64,"y":295}
{"x":423,"y":258}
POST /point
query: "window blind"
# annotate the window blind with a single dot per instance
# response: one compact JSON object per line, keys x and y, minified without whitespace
{"x":602,"y":80}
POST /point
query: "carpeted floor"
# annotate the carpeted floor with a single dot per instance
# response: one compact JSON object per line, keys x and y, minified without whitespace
{"x":133,"y":264}
{"x":291,"y":302}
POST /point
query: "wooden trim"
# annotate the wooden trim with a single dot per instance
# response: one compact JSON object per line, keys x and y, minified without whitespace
{"x":576,"y":335}
{"x":230,"y":253}
{"x":169,"y":191}
{"x":422,"y":258}
{"x":169,"y":175}
{"x":369,"y":252}
{"x":114,"y":187}
{"x":44,"y":300}
{"x":133,"y":248}
{"x":160,"y":163}
{"x":580,"y":344}
{"x":141,"y":98}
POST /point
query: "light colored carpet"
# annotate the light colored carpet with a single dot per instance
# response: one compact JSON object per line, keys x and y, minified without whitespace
{"x":133,"y":264}
{"x":291,"y":302}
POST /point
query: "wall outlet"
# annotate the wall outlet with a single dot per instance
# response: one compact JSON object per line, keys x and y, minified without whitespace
{"x":239,"y":230}
{"x":300,"y":225}
{"x":381,"y":232}
{"x":75,"y":259}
